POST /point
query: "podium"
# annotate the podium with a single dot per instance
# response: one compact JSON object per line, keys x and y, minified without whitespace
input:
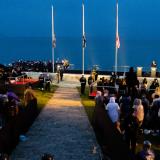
{"x":153,"y":71}
{"x":139,"y":71}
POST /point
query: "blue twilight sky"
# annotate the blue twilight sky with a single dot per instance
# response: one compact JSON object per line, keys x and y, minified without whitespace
{"x":139,"y":29}
{"x":32,"y":18}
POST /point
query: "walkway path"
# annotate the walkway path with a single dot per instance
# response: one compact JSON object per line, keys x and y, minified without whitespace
{"x":61,"y":129}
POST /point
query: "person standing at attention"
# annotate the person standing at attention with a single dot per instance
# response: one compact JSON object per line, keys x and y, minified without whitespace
{"x":83,"y":84}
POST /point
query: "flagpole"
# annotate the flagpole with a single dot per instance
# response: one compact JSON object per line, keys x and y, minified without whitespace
{"x":116,"y":49}
{"x":83,"y":34}
{"x":53,"y":36}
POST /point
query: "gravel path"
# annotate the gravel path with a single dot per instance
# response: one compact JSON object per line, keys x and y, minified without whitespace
{"x":61,"y":129}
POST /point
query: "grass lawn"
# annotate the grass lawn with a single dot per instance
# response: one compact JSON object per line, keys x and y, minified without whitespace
{"x":88,"y":103}
{"x":44,"y":96}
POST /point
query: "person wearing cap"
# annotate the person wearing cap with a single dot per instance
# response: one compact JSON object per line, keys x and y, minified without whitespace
{"x":83,"y":84}
{"x":146,"y":153}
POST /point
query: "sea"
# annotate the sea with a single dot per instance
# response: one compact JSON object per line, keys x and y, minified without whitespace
{"x":25,"y":32}
{"x":98,"y":51}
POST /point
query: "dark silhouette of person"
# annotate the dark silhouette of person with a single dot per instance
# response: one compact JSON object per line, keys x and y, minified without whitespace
{"x":41,"y":81}
{"x":131,"y":81}
{"x":61,"y":73}
{"x":83,"y":84}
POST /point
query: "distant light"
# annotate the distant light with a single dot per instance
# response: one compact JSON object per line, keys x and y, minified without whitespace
{"x":139,"y":71}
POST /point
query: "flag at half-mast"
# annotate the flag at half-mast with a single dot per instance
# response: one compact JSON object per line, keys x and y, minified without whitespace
{"x":53,"y":34}
{"x":117,"y":34}
{"x":84,"y":41}
{"x":83,"y":32}
{"x":54,"y":41}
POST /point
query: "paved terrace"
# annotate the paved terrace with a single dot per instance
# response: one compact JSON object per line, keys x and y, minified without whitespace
{"x":62,"y":129}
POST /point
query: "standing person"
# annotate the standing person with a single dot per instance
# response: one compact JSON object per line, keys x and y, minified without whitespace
{"x":47,"y":83}
{"x":83,"y":84}
{"x":57,"y":77}
{"x":41,"y":82}
{"x":125,"y":105}
{"x":133,"y":123}
{"x":96,"y":75}
{"x":61,"y":73}
{"x":131,"y":80}
{"x":155,"y":115}
{"x":58,"y":73}
{"x":113,"y":111}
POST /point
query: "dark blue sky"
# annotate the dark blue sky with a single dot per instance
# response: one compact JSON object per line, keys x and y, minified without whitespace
{"x":137,"y":18}
{"x":139,"y":30}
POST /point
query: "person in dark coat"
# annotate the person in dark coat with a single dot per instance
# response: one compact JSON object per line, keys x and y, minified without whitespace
{"x":41,"y":81}
{"x":131,"y":81}
{"x":61,"y":73}
{"x":83,"y":84}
